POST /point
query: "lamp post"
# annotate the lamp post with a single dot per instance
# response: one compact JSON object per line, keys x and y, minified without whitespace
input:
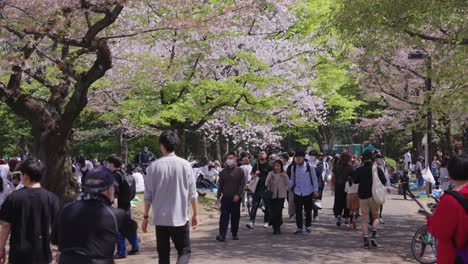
{"x":417,"y":55}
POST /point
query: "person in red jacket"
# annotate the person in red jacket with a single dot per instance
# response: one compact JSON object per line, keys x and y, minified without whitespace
{"x":449,"y":224}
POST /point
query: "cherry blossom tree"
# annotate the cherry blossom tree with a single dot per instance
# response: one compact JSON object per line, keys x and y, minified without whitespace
{"x":52,"y":53}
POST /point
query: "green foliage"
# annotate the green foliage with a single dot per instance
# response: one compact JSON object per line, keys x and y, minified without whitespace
{"x":391,"y":162}
{"x":13,"y":132}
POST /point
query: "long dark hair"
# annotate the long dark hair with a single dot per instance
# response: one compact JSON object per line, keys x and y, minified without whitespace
{"x":344,"y":160}
{"x":280,"y":163}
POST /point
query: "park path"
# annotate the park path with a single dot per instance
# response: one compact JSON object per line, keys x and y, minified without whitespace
{"x":326,"y":244}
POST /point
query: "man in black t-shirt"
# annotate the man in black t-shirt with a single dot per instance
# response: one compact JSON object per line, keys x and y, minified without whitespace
{"x":28,"y":215}
{"x":260,"y":170}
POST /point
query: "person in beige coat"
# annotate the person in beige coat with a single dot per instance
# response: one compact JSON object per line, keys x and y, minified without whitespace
{"x":277,"y":183}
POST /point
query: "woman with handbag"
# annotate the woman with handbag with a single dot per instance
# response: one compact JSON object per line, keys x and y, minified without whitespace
{"x":277,"y":183}
{"x":367,"y":176}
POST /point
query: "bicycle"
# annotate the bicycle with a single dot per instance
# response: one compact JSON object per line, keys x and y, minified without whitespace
{"x":423,"y":244}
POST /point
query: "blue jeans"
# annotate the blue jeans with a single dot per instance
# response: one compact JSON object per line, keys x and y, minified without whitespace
{"x":133,"y":239}
{"x":258,"y":197}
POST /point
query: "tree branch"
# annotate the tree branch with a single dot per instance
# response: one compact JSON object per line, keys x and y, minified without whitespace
{"x":463,"y":41}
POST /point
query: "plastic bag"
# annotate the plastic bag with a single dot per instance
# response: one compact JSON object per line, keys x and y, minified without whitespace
{"x":427,"y":176}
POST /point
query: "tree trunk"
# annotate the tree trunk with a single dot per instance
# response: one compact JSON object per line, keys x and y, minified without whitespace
{"x":465,"y":138}
{"x":53,"y":149}
{"x":182,"y":151}
{"x":218,"y":149}
{"x":203,"y":146}
{"x":417,"y":137}
{"x":123,"y":144}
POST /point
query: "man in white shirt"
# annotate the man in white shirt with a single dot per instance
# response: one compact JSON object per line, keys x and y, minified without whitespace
{"x":169,"y":187}
{"x":407,"y":158}
{"x":82,"y":167}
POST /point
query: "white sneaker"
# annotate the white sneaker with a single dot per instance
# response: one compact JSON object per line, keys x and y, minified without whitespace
{"x":318,"y":204}
{"x":315,"y":219}
{"x":266,"y":225}
{"x":381,"y":221}
{"x":250,"y":225}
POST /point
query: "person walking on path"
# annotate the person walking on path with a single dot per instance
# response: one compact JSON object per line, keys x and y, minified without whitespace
{"x":230,"y":191}
{"x":363,"y":176}
{"x":277,"y":183}
{"x":28,"y":214}
{"x":170,"y":187}
{"x":320,"y":170}
{"x":124,"y":198}
{"x":305,"y":185}
{"x":404,"y":181}
{"x":341,"y":173}
{"x":449,"y":224}
{"x":291,"y":205}
{"x":260,"y":170}
{"x":247,"y":169}
{"x":352,"y":201}
{"x":86,"y":229}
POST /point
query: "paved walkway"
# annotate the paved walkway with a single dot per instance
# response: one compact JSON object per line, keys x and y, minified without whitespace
{"x":326,"y":244}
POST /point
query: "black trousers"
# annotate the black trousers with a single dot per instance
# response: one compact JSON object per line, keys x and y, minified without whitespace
{"x":257,"y":198}
{"x":180,"y":236}
{"x":404,"y":188}
{"x":229,"y":209}
{"x":339,"y":207}
{"x":276,"y":212}
{"x":303,"y":203}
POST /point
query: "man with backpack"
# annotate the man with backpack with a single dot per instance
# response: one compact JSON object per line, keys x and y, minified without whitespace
{"x":125,"y":192}
{"x":449,"y":224}
{"x":305,"y":186}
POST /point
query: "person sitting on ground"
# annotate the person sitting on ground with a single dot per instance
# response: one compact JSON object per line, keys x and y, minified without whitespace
{"x":449,"y":224}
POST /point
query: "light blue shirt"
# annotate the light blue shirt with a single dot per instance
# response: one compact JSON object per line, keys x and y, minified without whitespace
{"x":301,"y":180}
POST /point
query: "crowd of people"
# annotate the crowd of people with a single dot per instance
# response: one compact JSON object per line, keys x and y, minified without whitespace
{"x":94,"y":227}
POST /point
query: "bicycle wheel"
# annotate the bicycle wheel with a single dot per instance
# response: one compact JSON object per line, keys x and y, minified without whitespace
{"x":424,"y":246}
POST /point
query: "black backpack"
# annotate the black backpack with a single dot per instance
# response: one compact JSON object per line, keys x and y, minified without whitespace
{"x":460,"y":198}
{"x":129,"y":180}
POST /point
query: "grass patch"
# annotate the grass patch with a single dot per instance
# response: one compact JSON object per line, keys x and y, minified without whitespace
{"x":208,"y":202}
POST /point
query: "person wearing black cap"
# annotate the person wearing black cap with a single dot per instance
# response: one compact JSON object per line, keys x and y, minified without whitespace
{"x":363,"y":175}
{"x":28,"y":214}
{"x":86,"y":229}
{"x":305,"y":185}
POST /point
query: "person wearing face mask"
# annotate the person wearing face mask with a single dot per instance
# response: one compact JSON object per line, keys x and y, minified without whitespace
{"x":86,"y":229}
{"x":230,"y":190}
